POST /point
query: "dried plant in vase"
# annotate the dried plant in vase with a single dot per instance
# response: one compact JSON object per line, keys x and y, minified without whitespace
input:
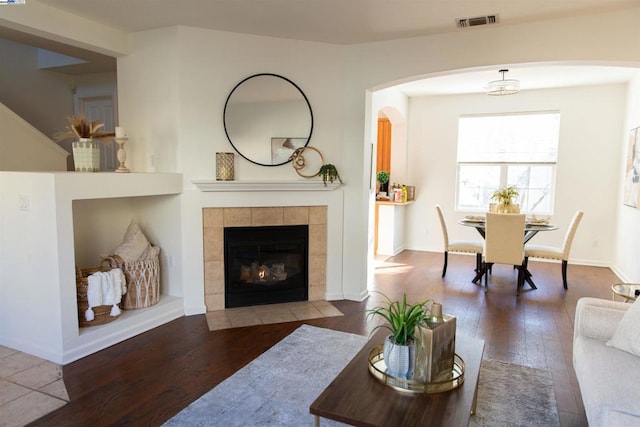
{"x":80,"y":127}
{"x":86,"y":153}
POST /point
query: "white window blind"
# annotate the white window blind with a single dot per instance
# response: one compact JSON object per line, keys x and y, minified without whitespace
{"x":508,"y":149}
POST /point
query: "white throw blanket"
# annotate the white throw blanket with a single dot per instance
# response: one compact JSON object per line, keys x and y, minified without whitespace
{"x":105,"y":288}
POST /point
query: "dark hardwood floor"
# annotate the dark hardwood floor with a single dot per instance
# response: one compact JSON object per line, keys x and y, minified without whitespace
{"x":149,"y":378}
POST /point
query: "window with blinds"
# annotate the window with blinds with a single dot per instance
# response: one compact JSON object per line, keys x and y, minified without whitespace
{"x":508,"y":149}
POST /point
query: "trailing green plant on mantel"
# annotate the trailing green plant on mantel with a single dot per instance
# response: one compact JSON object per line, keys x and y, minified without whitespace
{"x":329,"y":172}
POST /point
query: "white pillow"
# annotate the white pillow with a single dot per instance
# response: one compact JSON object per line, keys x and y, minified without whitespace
{"x":132,"y":229}
{"x":627,"y":334}
{"x":133,"y":246}
{"x":150,"y":253}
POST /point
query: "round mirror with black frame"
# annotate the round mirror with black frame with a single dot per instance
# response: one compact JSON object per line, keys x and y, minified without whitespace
{"x":266,"y":118}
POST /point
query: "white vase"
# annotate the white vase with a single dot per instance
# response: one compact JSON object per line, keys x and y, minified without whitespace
{"x":399,"y":359}
{"x":86,"y":155}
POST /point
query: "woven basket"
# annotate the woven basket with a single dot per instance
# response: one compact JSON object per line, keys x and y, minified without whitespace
{"x":143,"y":282}
{"x":102,"y":313}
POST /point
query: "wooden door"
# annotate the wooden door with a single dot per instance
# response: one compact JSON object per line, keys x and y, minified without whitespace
{"x":383,"y":160}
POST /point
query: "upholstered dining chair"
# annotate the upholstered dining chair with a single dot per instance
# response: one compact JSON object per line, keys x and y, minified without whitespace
{"x":504,"y":243}
{"x":460,"y":246}
{"x":557,"y":253}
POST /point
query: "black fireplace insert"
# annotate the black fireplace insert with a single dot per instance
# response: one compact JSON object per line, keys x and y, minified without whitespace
{"x":265,"y":265}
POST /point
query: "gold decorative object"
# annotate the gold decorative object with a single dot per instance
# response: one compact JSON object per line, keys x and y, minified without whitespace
{"x":299,"y":162}
{"x":122,"y":155}
{"x":446,"y":382}
{"x":629,"y":291}
{"x":224,"y":166}
{"x":435,"y":346}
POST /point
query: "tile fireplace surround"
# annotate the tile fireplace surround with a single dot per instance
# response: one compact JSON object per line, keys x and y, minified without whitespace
{"x":215,"y":219}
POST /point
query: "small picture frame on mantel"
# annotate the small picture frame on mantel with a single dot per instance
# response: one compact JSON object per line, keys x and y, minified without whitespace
{"x":282,"y":148}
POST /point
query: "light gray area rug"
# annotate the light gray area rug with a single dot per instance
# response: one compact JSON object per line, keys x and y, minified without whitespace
{"x":512,"y":395}
{"x":277,"y":388}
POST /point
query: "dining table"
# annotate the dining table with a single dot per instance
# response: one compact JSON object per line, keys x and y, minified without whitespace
{"x":531,"y":228}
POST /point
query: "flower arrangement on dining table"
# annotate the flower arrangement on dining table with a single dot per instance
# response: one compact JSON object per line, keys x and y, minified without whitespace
{"x":505,"y":197}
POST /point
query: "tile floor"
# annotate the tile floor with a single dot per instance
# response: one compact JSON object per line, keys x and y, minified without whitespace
{"x":30,"y":387}
{"x":271,"y":313}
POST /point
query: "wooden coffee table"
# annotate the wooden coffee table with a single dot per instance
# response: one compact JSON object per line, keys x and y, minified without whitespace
{"x":355,"y":397}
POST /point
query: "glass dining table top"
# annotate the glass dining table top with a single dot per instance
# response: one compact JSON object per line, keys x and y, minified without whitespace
{"x":531,"y":228}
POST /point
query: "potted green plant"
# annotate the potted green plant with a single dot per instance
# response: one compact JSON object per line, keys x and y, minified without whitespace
{"x":402,"y":320}
{"x":329,"y":172}
{"x":505,"y":197}
{"x":383,"y":178}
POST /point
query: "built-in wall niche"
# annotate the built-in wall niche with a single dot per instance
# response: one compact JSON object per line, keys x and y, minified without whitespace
{"x":99,"y":226}
{"x":69,"y":213}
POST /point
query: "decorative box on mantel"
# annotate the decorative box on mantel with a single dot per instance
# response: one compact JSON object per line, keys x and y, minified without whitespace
{"x":308,"y":185}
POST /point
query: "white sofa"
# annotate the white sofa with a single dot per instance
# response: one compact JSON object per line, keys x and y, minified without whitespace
{"x":609,"y":378}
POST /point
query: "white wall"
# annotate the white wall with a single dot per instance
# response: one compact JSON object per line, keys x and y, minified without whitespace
{"x":627,"y":245}
{"x":609,"y":38}
{"x":182,"y":126}
{"x":394,"y":105}
{"x":24,"y":148}
{"x":173,"y":84}
{"x":588,"y":163}
{"x":42,"y":98}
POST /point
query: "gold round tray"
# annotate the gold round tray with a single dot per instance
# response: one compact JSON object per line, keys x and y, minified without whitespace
{"x":446,"y":382}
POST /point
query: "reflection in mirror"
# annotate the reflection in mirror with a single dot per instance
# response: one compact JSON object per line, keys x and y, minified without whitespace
{"x":266,"y":117}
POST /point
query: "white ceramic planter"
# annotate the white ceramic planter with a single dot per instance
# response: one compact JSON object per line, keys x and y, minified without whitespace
{"x":86,"y":155}
{"x":399,"y":359}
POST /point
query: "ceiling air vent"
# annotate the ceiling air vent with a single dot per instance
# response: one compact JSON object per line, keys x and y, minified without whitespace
{"x":475,"y":21}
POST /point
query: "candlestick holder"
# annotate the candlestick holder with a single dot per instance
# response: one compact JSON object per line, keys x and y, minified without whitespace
{"x":122,"y":155}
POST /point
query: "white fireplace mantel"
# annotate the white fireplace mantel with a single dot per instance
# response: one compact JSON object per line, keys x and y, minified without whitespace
{"x":308,"y":185}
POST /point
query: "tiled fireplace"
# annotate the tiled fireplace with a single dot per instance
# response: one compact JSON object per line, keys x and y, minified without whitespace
{"x":216,"y":219}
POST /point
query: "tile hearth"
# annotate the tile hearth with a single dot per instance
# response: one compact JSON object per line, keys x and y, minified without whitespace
{"x":268,"y":314}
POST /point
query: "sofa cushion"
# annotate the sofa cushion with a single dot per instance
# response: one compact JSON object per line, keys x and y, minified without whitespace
{"x":599,"y":322}
{"x":609,"y":383}
{"x":626,"y":336}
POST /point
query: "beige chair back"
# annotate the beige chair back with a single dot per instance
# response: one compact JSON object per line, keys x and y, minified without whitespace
{"x":571,"y":232}
{"x":504,"y":238}
{"x":443,"y":225}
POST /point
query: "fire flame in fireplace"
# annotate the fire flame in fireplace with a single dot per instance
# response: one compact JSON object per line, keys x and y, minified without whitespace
{"x":263,"y":274}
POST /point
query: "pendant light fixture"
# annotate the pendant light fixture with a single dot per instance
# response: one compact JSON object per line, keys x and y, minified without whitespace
{"x":504,"y":86}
